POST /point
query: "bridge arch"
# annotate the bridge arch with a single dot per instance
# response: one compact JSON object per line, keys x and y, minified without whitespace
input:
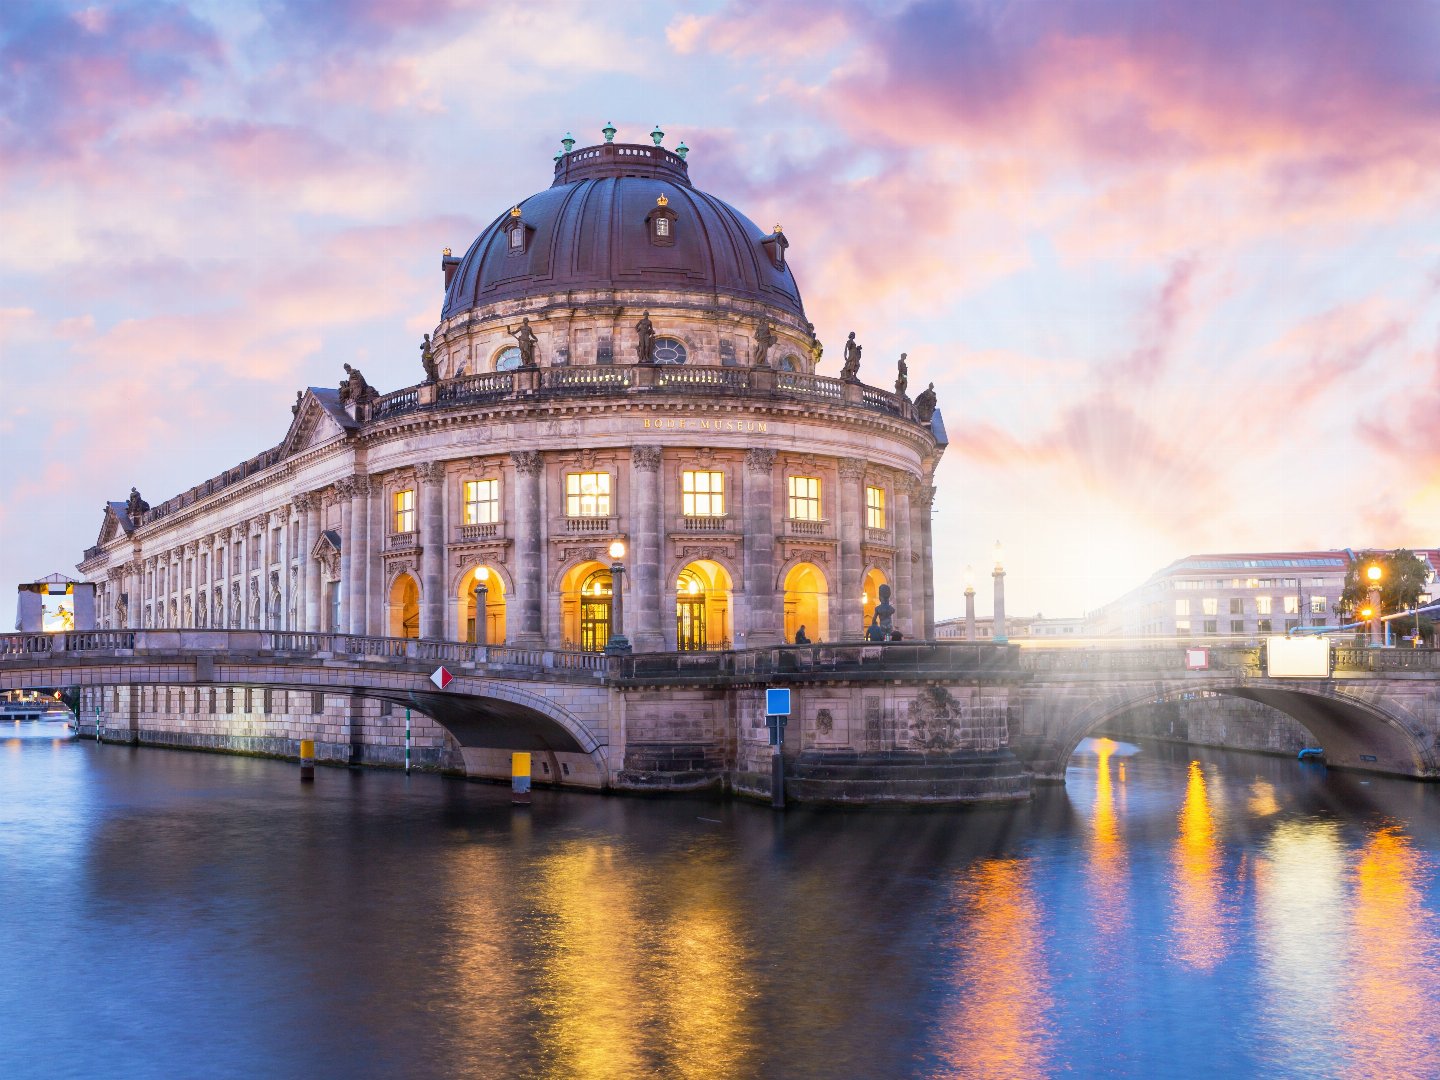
{"x":1355,"y":731}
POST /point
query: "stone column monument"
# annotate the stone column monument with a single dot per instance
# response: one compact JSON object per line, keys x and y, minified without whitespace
{"x":999,"y":633}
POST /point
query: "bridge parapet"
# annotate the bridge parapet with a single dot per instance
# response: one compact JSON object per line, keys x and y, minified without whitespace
{"x":817,"y":663}
{"x":1367,"y":659}
{"x":1135,"y":661}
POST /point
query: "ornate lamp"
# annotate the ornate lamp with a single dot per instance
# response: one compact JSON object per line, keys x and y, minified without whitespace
{"x":608,"y":131}
{"x":618,"y":642}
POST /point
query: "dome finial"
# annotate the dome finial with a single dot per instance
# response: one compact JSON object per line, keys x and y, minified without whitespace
{"x":682,"y":150}
{"x":661,"y":200}
{"x":608,"y":131}
{"x":568,"y":142}
{"x":515,"y":211}
{"x":778,"y":229}
{"x":445,"y":252}
{"x":657,"y":135}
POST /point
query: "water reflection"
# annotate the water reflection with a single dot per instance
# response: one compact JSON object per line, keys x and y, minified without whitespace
{"x":1300,"y":929}
{"x":1106,"y":875}
{"x":1390,"y":1025}
{"x":999,"y":1025}
{"x":1199,"y":926}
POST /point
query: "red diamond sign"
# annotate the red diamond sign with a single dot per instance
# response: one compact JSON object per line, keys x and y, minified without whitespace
{"x":442,"y":678}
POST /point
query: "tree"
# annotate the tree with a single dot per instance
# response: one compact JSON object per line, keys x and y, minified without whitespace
{"x":1403,"y":578}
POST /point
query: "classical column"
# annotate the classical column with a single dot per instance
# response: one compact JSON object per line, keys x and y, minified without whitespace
{"x":762,"y":602}
{"x":852,"y":526}
{"x":528,"y":572}
{"x":647,"y":548}
{"x":309,"y":505}
{"x":927,"y":557}
{"x":282,"y":517}
{"x":379,"y":529}
{"x":300,"y":506}
{"x":919,"y":518}
{"x":258,"y":579}
{"x":969,"y":607}
{"x":431,"y":476}
{"x":909,"y":603}
{"x":359,"y":541}
{"x":998,"y":630}
{"x":345,"y":494}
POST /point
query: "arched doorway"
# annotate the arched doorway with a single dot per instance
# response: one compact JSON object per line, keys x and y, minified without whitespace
{"x":702,"y":607}
{"x":870,"y":594}
{"x":494,"y":594}
{"x":807,"y":602}
{"x":585,"y":595}
{"x":403,"y":608}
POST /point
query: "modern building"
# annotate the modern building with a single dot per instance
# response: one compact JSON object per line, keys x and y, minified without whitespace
{"x":620,"y":357}
{"x":1237,"y":596}
{"x":1017,"y":628}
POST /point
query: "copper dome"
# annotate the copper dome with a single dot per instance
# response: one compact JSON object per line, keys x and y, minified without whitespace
{"x":591,"y":230}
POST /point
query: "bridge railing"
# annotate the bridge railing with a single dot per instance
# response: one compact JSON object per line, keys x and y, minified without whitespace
{"x":1079,"y":661}
{"x":938,"y":659}
{"x":1364,"y":659}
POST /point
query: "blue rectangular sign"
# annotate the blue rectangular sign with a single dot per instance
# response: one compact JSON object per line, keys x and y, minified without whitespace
{"x":777,"y":702}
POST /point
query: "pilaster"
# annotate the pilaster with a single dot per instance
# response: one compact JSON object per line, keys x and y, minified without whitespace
{"x":762,"y":616}
{"x":529,"y":465}
{"x":647,"y":548}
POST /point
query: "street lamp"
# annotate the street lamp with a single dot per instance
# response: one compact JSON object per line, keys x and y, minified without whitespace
{"x":617,"y":642}
{"x":1373,"y":574}
{"x":482,"y":593}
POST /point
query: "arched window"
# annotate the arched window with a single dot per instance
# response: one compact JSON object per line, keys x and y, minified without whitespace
{"x":508,"y":358}
{"x":669,"y":350}
{"x":789,"y":363}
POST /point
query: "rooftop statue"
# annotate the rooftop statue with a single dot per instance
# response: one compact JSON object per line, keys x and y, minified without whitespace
{"x":645,"y":340}
{"x":427,"y":361}
{"x":925,"y":404}
{"x":135,"y":505}
{"x":764,"y":341}
{"x":354,"y":389}
{"x":851,"y":371}
{"x":525,"y":338}
{"x":299,"y":397}
{"x":902,"y":375}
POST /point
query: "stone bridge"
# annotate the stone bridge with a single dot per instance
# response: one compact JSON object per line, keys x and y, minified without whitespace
{"x":937,"y":721}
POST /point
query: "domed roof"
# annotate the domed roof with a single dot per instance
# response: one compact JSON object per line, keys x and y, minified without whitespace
{"x":595,"y":228}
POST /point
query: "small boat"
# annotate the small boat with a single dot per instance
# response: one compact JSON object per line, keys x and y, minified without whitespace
{"x":1312,"y":753}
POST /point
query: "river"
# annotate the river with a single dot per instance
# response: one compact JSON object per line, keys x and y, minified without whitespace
{"x":1171,"y":911}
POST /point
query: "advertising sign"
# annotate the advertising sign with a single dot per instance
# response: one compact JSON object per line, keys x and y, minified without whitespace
{"x":1297,"y":658}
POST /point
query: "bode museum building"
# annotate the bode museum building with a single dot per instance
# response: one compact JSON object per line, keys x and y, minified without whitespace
{"x":622,"y":374}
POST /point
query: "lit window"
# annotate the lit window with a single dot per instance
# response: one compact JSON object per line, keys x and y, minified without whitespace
{"x":587,"y":494}
{"x":508,"y":358}
{"x":1292,"y":605}
{"x":405,"y":511}
{"x":702,"y":492}
{"x":1317,"y":605}
{"x":668,"y":350}
{"x":1182,"y":626}
{"x":662,"y":226}
{"x":1182,"y":608}
{"x":805,"y":498}
{"x":874,"y":507}
{"x":1211,"y":605}
{"x":482,"y":502}
{"x":517,"y":238}
{"x":1262,"y":604}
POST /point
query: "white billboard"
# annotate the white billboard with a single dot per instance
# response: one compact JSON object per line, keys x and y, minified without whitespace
{"x":1297,"y":658}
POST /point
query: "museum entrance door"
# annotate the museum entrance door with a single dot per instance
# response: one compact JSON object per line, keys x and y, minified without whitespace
{"x":690,"y":613}
{"x":595,"y":595}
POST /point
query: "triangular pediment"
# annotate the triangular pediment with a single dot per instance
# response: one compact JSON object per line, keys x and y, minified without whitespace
{"x":115,"y":522}
{"x":328,"y":544}
{"x":315,"y":422}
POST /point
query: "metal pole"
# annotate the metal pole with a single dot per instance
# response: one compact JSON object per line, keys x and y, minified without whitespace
{"x":97,"y":711}
{"x":407,"y":741}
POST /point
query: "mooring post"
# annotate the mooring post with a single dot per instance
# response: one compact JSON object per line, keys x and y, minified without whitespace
{"x":307,"y":760}
{"x":97,"y":723}
{"x":520,"y":778}
{"x":777,"y":780}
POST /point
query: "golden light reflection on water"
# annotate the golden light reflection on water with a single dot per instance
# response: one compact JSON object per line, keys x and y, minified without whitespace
{"x":1196,"y":880}
{"x":1390,"y":1027}
{"x":645,"y":971}
{"x":1107,"y":874}
{"x":1262,"y":799}
{"x":1299,"y":905}
{"x":999,"y":1028}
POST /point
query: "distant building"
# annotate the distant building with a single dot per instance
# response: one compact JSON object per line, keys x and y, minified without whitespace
{"x":1241,"y":596}
{"x":1016,"y":626}
{"x":55,"y":604}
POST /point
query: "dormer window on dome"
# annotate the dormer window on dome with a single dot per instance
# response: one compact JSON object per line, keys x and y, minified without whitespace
{"x":517,"y":233}
{"x":661,"y":223}
{"x":775,"y":245}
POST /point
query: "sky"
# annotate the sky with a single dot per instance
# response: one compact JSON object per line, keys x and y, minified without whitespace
{"x":1173,"y":267}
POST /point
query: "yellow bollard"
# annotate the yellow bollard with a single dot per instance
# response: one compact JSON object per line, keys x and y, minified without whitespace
{"x":307,"y":760}
{"x":520,"y":779}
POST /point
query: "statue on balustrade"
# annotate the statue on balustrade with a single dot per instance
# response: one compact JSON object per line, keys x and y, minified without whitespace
{"x":764,"y":342}
{"x":525,"y":338}
{"x":902,"y":375}
{"x":884,"y":613}
{"x":354,"y":390}
{"x":925,"y":404}
{"x":135,"y":505}
{"x":299,"y":397}
{"x":428,"y":362}
{"x":645,"y":340}
{"x":851,"y":371}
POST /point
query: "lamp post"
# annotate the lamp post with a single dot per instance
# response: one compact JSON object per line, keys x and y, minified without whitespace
{"x":998,"y":633}
{"x":617,"y":642}
{"x":1373,"y":574}
{"x":969,"y":602}
{"x":482,"y":594}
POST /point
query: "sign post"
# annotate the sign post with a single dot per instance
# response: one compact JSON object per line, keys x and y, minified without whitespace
{"x":777,"y":712}
{"x":407,"y":742}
